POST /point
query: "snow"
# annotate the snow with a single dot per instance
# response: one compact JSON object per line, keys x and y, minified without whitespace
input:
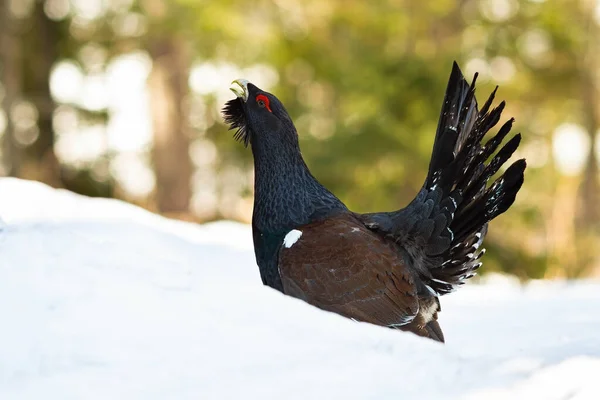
{"x":102,"y":300}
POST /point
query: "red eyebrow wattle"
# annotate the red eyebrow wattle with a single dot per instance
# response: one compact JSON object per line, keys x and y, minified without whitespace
{"x":265,"y":99}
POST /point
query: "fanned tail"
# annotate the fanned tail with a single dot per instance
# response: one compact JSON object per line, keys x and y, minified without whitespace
{"x":459,"y":167}
{"x":443,"y":228}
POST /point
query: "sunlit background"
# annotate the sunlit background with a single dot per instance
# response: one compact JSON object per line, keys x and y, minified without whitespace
{"x":122,"y":98}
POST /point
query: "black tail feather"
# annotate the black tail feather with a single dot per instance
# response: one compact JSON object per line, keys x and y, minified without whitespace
{"x":459,"y":166}
{"x":459,"y":104}
{"x":481,"y":178}
{"x":443,"y":228}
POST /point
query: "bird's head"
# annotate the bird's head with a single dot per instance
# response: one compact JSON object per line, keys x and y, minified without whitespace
{"x":285,"y":192}
{"x":258,"y":116}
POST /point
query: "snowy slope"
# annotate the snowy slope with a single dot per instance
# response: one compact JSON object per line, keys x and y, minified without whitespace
{"x":102,"y":300}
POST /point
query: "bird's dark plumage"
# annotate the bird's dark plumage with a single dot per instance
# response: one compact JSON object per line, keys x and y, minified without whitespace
{"x":386,"y":268}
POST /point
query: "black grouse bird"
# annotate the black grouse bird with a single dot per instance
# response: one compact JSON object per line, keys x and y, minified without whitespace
{"x":386,"y":268}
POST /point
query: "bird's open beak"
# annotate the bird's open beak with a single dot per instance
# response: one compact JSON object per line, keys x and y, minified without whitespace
{"x":240,"y":88}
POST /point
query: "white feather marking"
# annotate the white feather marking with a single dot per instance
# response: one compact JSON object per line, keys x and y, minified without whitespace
{"x":355,"y":229}
{"x":291,"y":238}
{"x":457,"y":245}
{"x":454,"y":202}
{"x":427,"y":311}
{"x":430,"y":290}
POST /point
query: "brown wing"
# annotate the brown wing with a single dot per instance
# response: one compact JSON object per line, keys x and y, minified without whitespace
{"x":339,"y":265}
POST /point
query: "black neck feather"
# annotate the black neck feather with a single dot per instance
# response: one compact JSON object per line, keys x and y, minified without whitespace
{"x":286,"y":194}
{"x":286,"y":197}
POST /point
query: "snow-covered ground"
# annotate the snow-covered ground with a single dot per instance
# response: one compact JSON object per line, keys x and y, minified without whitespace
{"x":102,"y":300}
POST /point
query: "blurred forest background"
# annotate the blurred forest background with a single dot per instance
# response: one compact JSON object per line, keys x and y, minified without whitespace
{"x":122,"y":98}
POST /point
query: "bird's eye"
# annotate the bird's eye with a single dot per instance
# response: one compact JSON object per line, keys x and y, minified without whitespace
{"x":263,"y":102}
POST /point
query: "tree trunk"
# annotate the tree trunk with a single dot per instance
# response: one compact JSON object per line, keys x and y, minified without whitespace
{"x":589,"y":192}
{"x":170,"y":155}
{"x":40,"y":162}
{"x":587,"y":219}
{"x":10,"y":60}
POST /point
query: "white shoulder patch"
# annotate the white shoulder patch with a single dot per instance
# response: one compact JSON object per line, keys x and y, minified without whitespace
{"x":291,"y":238}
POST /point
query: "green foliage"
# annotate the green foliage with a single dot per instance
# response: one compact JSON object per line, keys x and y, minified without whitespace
{"x":364,"y":83}
{"x":384,"y":68}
